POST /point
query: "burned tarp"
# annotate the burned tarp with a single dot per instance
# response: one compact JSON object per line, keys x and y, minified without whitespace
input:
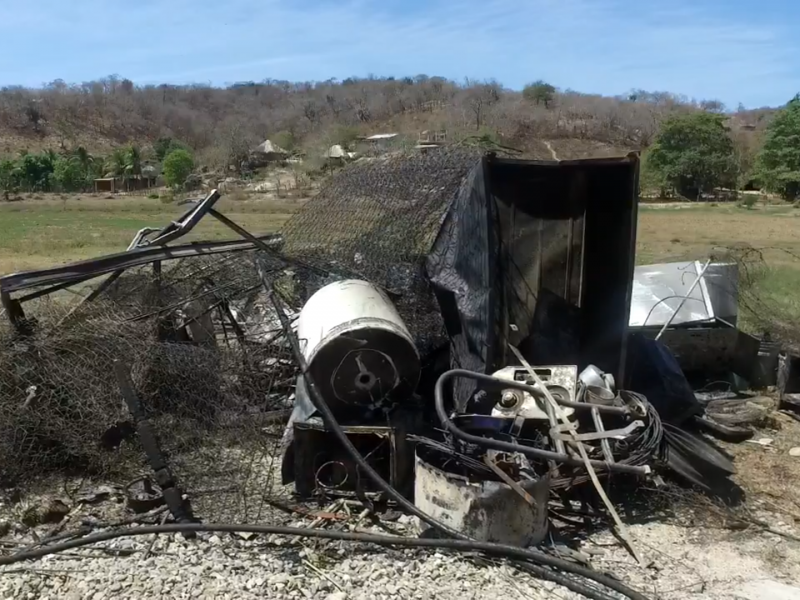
{"x":539,"y":254}
{"x":463,"y":270}
{"x":467,"y":244}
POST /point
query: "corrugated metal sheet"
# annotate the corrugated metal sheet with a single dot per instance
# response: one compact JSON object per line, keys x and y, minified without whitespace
{"x":659,"y":289}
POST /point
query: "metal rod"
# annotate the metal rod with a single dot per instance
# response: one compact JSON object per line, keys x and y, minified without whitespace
{"x":683,"y":300}
{"x":83,"y":270}
{"x":55,"y":288}
{"x":261,"y":245}
{"x":605,"y":445}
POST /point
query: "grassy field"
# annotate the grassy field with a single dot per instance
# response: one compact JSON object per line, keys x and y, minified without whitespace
{"x":50,"y":230}
{"x":686,"y":232}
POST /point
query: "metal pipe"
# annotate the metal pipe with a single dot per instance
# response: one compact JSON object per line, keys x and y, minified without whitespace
{"x":83,"y":270}
{"x":683,"y":300}
{"x":530,"y":452}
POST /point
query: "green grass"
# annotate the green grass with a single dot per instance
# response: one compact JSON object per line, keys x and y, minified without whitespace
{"x":37,"y":233}
{"x":52,"y":230}
{"x":772,"y":303}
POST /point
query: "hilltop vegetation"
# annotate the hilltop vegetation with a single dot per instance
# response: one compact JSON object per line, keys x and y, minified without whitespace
{"x":113,"y":119}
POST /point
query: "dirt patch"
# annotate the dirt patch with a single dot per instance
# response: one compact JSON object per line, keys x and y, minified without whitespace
{"x":769,"y":475}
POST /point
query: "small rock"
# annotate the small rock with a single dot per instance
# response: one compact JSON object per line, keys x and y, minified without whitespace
{"x":281,"y":578}
{"x":795,"y":451}
{"x":336,"y":596}
{"x":762,"y":441}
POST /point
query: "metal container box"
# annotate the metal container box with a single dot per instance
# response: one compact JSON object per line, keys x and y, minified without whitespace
{"x":323,"y":467}
{"x":488,"y":511}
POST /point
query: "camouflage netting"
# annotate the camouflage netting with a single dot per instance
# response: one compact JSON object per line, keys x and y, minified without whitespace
{"x":377,"y":220}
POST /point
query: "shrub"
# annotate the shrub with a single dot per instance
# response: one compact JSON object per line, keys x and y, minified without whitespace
{"x":748,"y":202}
{"x":178,"y":165}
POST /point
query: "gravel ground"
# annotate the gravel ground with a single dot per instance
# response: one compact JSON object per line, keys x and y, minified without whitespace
{"x":228,"y":568}
{"x":679,"y":563}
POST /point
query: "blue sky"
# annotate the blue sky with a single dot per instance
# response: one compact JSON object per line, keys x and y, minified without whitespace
{"x":734,"y":50}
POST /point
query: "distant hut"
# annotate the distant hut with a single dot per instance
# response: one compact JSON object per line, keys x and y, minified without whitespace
{"x":336,"y":155}
{"x":105,"y":185}
{"x":267,"y":152}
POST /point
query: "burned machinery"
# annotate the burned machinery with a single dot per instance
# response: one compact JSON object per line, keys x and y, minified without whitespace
{"x":535,"y":254}
{"x":365,"y":363}
{"x":470,"y":256}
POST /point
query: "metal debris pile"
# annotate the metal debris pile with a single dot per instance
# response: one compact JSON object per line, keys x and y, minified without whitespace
{"x":462,"y":337}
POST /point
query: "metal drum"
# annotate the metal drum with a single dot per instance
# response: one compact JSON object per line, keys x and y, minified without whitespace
{"x":359,"y":351}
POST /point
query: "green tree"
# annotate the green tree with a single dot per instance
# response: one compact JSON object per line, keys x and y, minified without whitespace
{"x":539,"y":92}
{"x":651,"y":181}
{"x":68,"y":174}
{"x":778,"y":162}
{"x":693,"y":153}
{"x":35,"y":171}
{"x":116,"y":163}
{"x":83,"y":157}
{"x":9,"y":178}
{"x":165,"y":145}
{"x":178,"y":165}
{"x":133,"y":162}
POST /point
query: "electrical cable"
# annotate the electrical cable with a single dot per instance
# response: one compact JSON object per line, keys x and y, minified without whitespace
{"x":538,"y":558}
{"x":367,"y":538}
{"x":529,"y":451}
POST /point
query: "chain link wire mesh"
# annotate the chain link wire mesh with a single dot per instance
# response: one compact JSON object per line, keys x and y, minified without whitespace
{"x":210,"y":367}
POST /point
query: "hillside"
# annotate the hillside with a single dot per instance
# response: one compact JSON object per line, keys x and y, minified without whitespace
{"x":219,"y":123}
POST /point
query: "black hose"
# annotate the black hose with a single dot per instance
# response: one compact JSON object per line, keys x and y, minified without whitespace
{"x":529,"y":451}
{"x":367,"y":538}
{"x":498,"y":549}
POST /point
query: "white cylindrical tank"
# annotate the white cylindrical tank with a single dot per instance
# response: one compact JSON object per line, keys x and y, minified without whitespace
{"x":359,"y":351}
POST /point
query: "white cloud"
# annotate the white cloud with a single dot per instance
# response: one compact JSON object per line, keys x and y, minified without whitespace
{"x":606,"y":46}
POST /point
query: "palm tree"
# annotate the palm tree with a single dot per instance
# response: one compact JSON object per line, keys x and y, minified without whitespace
{"x":115,"y":163}
{"x":133,"y":161}
{"x":83,"y":157}
{"x":133,"y":164}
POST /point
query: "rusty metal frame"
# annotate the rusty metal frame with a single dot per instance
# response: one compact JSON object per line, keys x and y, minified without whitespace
{"x":309,"y":437}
